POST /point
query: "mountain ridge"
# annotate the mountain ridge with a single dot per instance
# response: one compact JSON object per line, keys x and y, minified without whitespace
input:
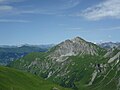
{"x":83,"y":71}
{"x":11,"y":53}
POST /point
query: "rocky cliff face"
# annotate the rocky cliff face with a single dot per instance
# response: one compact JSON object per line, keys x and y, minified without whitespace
{"x":74,"y":47}
{"x":77,"y":64}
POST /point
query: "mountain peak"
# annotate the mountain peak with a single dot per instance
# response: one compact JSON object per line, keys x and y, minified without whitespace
{"x":73,"y":47}
{"x":78,"y":40}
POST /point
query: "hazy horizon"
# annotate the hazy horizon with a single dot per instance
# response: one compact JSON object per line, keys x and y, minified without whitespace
{"x":21,"y":44}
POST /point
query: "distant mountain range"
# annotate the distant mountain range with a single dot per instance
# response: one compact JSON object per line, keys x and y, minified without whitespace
{"x":16,"y":46}
{"x":77,"y":64}
{"x":109,"y":45}
{"x":11,"y":53}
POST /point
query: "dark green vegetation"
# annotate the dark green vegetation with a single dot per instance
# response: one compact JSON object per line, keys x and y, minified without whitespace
{"x":8,"y":54}
{"x":76,"y":64}
{"x":76,"y":72}
{"x":11,"y":79}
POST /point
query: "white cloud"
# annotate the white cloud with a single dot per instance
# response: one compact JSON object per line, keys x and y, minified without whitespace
{"x":36,"y":11}
{"x":2,"y":1}
{"x":56,"y":9}
{"x":109,"y":36}
{"x":9,"y":1}
{"x":110,"y":28}
{"x":13,"y":21}
{"x":74,"y":28}
{"x":67,"y":4}
{"x":5,"y":8}
{"x":106,"y":9}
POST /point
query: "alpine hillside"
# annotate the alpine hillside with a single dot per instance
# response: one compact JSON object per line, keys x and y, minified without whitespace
{"x":76,"y":64}
{"x":12,"y":79}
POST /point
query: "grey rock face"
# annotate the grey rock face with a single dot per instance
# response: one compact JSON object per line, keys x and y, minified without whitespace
{"x":74,"y":47}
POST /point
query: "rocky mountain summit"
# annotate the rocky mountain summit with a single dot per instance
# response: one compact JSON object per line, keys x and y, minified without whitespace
{"x":76,"y":64}
{"x":74,"y":47}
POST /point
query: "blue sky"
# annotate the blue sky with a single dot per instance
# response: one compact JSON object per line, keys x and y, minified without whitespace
{"x":52,"y":21}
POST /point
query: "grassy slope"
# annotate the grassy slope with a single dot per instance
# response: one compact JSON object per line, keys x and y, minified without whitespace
{"x":109,"y":83}
{"x":11,"y":79}
{"x":77,"y":73}
{"x":83,"y":69}
{"x":80,"y":72}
